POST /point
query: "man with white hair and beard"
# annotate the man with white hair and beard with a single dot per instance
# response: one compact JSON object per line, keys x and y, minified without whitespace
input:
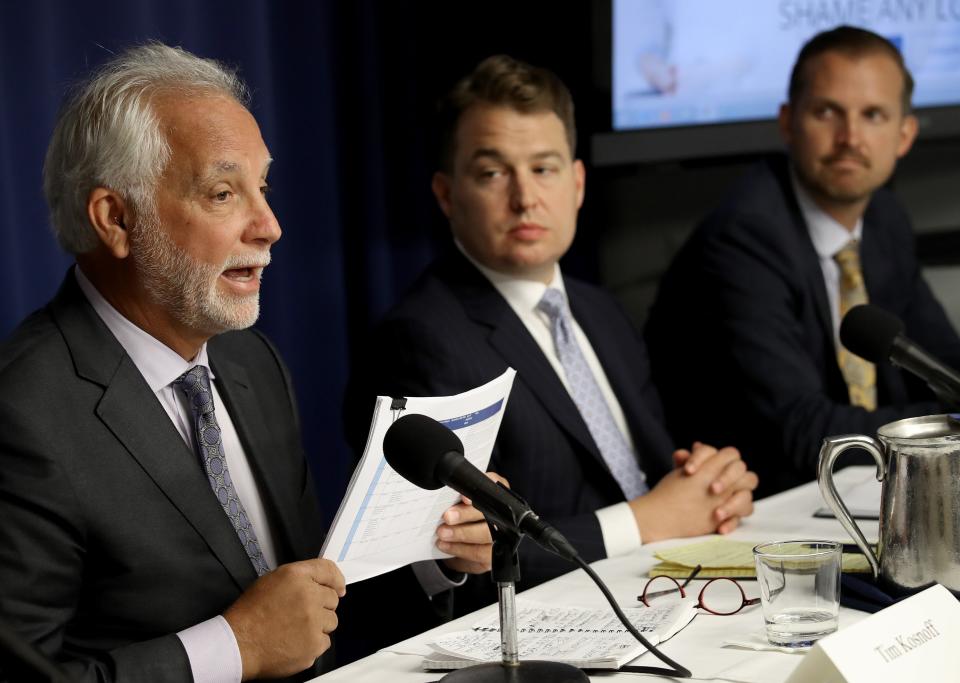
{"x":159,"y":519}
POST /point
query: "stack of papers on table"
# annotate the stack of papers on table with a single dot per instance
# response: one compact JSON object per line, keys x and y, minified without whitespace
{"x":722,"y":557}
{"x":581,"y":637}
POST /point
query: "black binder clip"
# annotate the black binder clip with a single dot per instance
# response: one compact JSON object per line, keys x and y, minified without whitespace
{"x":397,"y":406}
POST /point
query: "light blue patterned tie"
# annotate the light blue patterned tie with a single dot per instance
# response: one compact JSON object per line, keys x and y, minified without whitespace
{"x":195,"y":383}
{"x":589,"y":399}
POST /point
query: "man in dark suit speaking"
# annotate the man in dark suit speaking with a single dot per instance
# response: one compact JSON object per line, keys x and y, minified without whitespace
{"x":769,"y":275}
{"x":158,"y":517}
{"x":581,"y":438}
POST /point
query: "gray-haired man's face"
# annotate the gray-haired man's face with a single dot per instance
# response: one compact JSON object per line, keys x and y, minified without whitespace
{"x":202,"y":254}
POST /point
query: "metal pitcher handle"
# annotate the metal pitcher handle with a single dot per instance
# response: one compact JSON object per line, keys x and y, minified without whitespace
{"x":832,"y":448}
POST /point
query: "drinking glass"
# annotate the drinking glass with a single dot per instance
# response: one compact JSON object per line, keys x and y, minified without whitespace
{"x":799,"y":590}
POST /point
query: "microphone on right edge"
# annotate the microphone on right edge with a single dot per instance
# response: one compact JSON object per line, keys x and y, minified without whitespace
{"x":877,"y":336}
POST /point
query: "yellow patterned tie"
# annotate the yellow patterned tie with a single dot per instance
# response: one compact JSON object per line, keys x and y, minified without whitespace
{"x":860,"y":375}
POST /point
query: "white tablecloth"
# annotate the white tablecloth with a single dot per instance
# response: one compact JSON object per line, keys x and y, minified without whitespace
{"x":699,"y":647}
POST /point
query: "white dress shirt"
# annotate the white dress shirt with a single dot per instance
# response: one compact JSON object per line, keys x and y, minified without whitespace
{"x":211,"y":645}
{"x":617,"y":522}
{"x":828,"y":236}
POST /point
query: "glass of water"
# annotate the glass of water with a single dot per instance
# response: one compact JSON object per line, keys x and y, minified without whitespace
{"x":799,"y":590}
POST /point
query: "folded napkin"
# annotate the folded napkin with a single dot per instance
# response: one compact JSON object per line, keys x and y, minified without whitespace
{"x":757,"y":640}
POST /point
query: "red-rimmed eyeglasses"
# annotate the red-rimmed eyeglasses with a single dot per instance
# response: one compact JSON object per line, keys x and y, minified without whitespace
{"x":721,"y":596}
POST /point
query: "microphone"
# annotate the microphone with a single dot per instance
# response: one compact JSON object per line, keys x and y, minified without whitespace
{"x":426,"y":453}
{"x":877,"y":336}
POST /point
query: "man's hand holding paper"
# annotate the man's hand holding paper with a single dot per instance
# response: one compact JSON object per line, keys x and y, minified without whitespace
{"x":466,"y":535}
{"x":386,"y":522}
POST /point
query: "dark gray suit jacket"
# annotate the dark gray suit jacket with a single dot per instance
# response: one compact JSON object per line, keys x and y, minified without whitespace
{"x":453,"y":331}
{"x":111,"y":540}
{"x":741,"y":338}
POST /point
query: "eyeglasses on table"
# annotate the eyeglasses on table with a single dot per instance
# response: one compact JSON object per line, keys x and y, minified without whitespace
{"x":721,"y":596}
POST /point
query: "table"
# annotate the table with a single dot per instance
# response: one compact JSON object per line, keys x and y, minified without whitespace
{"x":699,"y":647}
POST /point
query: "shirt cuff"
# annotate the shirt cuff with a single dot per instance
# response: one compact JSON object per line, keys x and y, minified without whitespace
{"x":432,"y":579}
{"x":619,"y":529}
{"x":213,"y":652}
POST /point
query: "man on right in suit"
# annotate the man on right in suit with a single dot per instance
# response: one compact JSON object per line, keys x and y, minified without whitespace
{"x":768,"y":276}
{"x":582,"y":438}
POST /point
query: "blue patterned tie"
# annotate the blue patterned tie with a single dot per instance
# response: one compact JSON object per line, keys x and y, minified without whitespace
{"x":195,"y":384}
{"x":589,"y":399}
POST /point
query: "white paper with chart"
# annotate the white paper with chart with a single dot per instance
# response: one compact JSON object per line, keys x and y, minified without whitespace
{"x":385,"y":522}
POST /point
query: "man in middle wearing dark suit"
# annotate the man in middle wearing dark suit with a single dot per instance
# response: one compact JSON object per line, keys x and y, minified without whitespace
{"x":581,"y":439}
{"x":770,"y":274}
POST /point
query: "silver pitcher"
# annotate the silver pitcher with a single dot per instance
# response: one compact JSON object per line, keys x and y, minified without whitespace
{"x":918,"y":461}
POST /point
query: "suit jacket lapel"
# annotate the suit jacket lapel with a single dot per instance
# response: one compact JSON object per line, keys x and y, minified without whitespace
{"x":798,"y":235}
{"x":809,"y":263}
{"x":877,"y":266}
{"x":131,"y":411}
{"x":253,"y":428}
{"x":512,"y":341}
{"x":640,"y":420}
{"x":807,"y":258}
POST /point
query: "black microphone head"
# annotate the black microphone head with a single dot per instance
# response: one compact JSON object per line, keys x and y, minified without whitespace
{"x":869,"y":332}
{"x":414,"y":446}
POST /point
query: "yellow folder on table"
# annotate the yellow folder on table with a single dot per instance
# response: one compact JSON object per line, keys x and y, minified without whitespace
{"x":721,"y":556}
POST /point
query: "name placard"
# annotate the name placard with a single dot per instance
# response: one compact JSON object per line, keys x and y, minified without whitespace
{"x":916,"y":639}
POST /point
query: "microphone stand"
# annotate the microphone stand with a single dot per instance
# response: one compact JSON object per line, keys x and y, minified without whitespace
{"x":506,"y":572}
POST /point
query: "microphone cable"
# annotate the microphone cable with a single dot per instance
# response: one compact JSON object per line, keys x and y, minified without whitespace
{"x":676,"y":670}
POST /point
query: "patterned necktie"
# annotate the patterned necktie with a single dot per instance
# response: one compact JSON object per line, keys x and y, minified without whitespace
{"x":859,"y":374}
{"x":590,"y":402}
{"x":195,"y":384}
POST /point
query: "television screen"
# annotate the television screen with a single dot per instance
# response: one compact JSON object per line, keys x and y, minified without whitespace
{"x":702,"y":62}
{"x":686,"y":79}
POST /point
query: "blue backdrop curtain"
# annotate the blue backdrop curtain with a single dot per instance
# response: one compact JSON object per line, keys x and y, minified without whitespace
{"x":343,"y":92}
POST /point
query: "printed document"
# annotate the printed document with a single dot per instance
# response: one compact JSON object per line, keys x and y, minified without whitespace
{"x":586,"y":638}
{"x":385,"y":522}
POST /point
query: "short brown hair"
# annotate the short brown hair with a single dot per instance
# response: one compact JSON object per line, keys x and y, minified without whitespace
{"x":504,"y":81}
{"x":852,"y":42}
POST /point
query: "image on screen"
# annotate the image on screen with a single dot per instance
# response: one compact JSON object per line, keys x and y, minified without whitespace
{"x":697,"y":62}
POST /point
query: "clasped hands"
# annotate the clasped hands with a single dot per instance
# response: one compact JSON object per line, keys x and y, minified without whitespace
{"x":708,"y":491}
